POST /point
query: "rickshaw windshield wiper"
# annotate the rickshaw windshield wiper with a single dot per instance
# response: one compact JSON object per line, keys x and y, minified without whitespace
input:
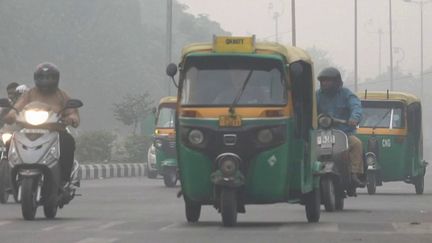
{"x":382,"y":118}
{"x":240,"y":92}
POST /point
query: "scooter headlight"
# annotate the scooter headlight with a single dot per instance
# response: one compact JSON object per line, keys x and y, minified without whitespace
{"x":196,"y":137}
{"x":36,"y":117}
{"x":325,"y":121}
{"x":6,"y":137}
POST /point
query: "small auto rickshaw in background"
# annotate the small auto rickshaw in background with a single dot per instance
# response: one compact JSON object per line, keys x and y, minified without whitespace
{"x":246,"y":115}
{"x":391,"y":132}
{"x":162,"y":154}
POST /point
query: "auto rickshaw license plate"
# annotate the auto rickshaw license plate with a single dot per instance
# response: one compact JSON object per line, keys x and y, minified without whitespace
{"x":229,"y":121}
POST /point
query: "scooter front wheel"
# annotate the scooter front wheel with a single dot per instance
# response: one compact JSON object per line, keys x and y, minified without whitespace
{"x":28,"y":198}
{"x":328,"y":194}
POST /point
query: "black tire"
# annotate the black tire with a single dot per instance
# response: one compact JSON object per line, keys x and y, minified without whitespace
{"x":312,"y":202}
{"x":419,"y":184}
{"x":28,"y":198}
{"x":50,"y":209}
{"x":340,"y":199}
{"x":170,"y":178}
{"x":328,"y":191}
{"x":371,"y":183}
{"x":228,"y":207}
{"x":193,"y":211}
{"x":4,"y":182}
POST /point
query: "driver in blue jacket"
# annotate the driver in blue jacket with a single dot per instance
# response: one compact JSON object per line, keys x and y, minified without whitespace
{"x":339,"y":102}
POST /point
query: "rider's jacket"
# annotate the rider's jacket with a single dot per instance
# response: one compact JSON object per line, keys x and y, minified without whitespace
{"x":342,"y":104}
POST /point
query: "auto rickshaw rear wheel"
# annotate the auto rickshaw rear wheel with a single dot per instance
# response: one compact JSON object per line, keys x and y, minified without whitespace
{"x":328,"y":193}
{"x":228,"y":207}
{"x":371,"y":183}
{"x":419,"y":184}
{"x":312,"y":202}
{"x":193,"y":211}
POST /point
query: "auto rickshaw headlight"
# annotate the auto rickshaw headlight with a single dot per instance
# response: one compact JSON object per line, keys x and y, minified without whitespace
{"x":158,"y":143}
{"x":324,"y":121}
{"x":196,"y":137}
{"x":265,"y":136}
{"x":370,"y":158}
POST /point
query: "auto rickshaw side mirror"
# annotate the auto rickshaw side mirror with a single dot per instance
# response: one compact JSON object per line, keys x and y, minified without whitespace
{"x":171,"y":71}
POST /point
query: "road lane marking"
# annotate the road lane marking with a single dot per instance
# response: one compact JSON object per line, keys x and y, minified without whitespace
{"x":98,"y":240}
{"x":110,"y":224}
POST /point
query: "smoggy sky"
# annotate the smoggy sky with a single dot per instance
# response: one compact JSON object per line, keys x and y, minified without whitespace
{"x":329,"y":25}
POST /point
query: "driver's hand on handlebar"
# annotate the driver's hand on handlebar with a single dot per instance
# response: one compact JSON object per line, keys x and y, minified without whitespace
{"x":353,"y":122}
{"x":70,"y":121}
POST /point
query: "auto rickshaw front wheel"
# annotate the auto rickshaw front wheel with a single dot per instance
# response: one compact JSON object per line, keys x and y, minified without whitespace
{"x":228,"y":206}
{"x":193,"y":211}
{"x":312,"y":202}
{"x":170,"y":178}
{"x":371,"y":183}
{"x":419,"y":184}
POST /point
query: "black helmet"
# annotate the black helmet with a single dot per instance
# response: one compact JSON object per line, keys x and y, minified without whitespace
{"x":46,"y":77}
{"x":332,"y":74}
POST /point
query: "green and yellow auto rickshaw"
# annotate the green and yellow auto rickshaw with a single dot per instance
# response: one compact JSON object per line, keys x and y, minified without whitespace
{"x":164,"y":144}
{"x":246,"y":111}
{"x":391,"y":132}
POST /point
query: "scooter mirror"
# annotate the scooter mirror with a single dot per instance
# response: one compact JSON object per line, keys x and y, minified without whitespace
{"x":73,"y":103}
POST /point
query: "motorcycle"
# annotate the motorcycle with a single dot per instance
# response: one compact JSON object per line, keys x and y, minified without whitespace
{"x":335,"y":173}
{"x":34,"y":160}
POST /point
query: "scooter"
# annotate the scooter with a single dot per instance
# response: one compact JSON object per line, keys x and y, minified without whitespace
{"x":34,"y":160}
{"x":335,"y":173}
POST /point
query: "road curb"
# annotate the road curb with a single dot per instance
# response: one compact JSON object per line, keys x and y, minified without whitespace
{"x":99,"y":171}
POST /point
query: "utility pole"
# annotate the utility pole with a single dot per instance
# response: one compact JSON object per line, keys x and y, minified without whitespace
{"x":169,"y":38}
{"x":391,"y":45}
{"x":355,"y":48}
{"x":293,"y":23}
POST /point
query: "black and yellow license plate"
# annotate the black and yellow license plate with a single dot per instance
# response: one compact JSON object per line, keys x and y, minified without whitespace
{"x":230,"y":121}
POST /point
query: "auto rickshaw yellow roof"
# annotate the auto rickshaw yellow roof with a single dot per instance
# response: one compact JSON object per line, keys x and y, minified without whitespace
{"x":291,"y":53}
{"x":168,"y":99}
{"x":391,"y":95}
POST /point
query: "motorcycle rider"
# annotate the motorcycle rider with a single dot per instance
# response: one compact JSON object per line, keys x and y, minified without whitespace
{"x":14,"y":91}
{"x":46,"y":90}
{"x":339,"y":102}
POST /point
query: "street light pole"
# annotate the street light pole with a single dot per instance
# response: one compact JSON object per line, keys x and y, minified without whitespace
{"x":355,"y":48}
{"x":169,"y":38}
{"x":421,"y":4}
{"x":293,"y":23}
{"x":391,"y":45}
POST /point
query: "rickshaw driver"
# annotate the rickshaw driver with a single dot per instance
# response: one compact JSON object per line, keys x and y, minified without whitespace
{"x":341,"y":103}
{"x":253,"y":93}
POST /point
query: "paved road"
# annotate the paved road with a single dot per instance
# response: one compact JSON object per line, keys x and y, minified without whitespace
{"x":143,"y":210}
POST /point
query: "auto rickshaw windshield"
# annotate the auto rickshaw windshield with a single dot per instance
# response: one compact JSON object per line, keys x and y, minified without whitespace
{"x":382,"y":116}
{"x":217,"y":80}
{"x":165,"y":117}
